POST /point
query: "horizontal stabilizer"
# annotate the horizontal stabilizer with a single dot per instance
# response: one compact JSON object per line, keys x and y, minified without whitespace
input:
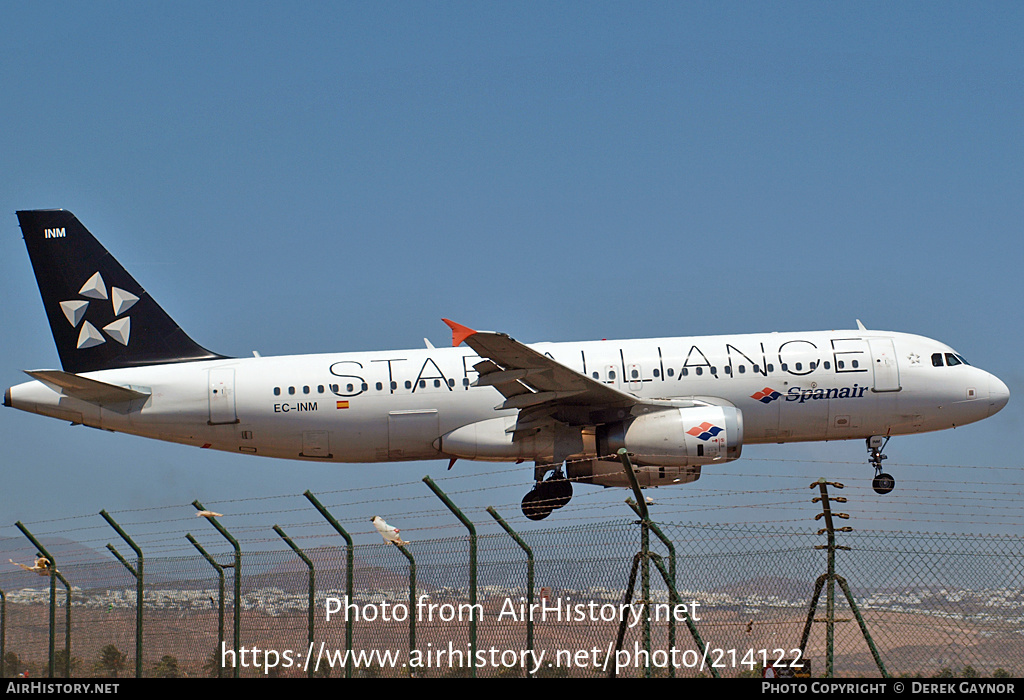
{"x":110,"y":396}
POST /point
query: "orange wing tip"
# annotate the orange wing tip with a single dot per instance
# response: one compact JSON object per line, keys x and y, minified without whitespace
{"x":459,"y":332}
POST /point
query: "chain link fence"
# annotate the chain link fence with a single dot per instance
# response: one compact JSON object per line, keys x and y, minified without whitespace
{"x":935,"y":605}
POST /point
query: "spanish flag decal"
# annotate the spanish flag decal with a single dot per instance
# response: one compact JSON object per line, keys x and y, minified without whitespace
{"x":343,"y":404}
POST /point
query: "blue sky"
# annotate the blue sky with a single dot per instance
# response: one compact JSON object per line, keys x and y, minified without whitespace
{"x":340,"y":176}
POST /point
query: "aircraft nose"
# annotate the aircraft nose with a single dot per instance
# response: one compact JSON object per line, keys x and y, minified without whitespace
{"x":998,"y":394}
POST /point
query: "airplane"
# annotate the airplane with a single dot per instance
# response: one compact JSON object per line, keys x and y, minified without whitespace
{"x":674,"y":404}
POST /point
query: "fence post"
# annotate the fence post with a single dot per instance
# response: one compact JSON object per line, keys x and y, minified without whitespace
{"x":529,"y":581}
{"x":412,"y":596}
{"x":472,"y":567}
{"x":238,"y":581}
{"x":53,"y":593}
{"x":640,"y":507}
{"x":671,"y":573}
{"x":645,"y":555}
{"x":220,"y":606}
{"x":3,"y":629}
{"x":312,"y":590}
{"x":349,"y":581}
{"x":139,"y":588}
{"x":831,"y":577}
{"x":138,"y":606}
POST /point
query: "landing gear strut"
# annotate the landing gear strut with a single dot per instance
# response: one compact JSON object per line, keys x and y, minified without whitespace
{"x":549,"y":494}
{"x":882,"y":483}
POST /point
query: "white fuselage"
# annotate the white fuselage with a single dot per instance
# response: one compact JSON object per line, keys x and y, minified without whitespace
{"x":395,"y":405}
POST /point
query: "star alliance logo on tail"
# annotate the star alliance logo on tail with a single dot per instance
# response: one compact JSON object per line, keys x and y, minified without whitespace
{"x":119,"y":329}
{"x":766,"y":395}
{"x":704,"y":431}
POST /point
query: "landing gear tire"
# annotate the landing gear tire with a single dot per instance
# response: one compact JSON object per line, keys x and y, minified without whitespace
{"x":883,"y":484}
{"x":554,"y":492}
{"x":535,"y":506}
{"x":557,"y":490}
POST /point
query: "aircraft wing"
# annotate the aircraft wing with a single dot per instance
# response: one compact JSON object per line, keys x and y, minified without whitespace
{"x":538,"y":384}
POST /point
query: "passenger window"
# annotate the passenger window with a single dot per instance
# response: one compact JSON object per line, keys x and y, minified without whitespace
{"x":437,"y":383}
{"x":671,"y":373}
{"x":305,"y":390}
{"x":785,"y":367}
{"x":840,"y":364}
{"x":700,"y":371}
{"x":828,"y":365}
{"x":277,"y":391}
{"x":611,"y":375}
{"x":685,"y":372}
{"x":855,"y":364}
{"x":657,"y":374}
{"x":728,"y":370}
{"x":320,"y":389}
{"x":408,"y":384}
{"x":743,"y":369}
{"x":380,"y":386}
{"x":771,"y":368}
{"x":349,"y":387}
{"x":634,"y":374}
{"x":596,"y":376}
{"x":291,"y":390}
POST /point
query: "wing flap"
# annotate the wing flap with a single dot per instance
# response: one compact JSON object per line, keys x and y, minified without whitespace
{"x":530,"y":380}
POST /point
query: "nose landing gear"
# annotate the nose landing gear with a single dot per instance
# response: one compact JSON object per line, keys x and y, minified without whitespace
{"x":554,"y":492}
{"x":882,"y":483}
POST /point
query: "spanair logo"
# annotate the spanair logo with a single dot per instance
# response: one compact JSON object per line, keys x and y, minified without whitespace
{"x":766,"y":395}
{"x":118,"y":329}
{"x":704,"y":431}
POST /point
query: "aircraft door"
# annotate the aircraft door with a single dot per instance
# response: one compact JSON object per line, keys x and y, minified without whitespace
{"x":221,"y":393}
{"x":883,"y":359}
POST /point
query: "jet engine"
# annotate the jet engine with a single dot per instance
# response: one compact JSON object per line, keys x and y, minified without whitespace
{"x":676,"y":437}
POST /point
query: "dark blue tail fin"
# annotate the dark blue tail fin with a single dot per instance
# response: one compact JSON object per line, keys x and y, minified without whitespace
{"x":101,"y":318}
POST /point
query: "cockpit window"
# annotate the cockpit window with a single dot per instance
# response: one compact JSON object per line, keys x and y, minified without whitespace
{"x":951,"y":360}
{"x":937,"y":359}
{"x":961,"y":358}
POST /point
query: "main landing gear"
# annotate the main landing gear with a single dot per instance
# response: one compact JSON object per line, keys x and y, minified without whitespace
{"x":549,"y":494}
{"x":882,"y":483}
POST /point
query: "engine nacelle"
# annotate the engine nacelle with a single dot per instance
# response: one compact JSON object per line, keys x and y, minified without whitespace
{"x":677,"y":437}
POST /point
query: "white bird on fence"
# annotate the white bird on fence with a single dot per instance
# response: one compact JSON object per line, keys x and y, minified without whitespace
{"x":390,"y":534}
{"x":208,"y":514}
{"x":41,"y":566}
